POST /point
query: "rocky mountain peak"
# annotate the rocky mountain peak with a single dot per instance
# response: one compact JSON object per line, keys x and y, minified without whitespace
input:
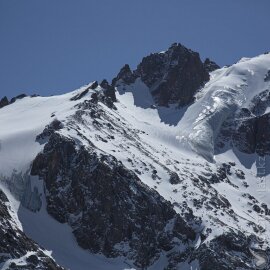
{"x":173,"y":76}
{"x":210,"y":65}
{"x":176,"y":51}
{"x":126,"y":75}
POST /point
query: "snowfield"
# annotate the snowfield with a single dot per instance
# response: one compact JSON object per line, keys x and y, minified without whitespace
{"x":162,"y":139}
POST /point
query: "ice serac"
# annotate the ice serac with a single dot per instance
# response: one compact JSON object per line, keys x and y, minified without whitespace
{"x":172,"y":76}
{"x":229,"y":106}
{"x":247,"y":129}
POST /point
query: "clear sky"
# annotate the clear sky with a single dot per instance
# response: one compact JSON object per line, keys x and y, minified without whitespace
{"x":54,"y":46}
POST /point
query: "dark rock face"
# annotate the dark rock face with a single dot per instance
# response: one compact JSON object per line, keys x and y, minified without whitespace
{"x":49,"y":130}
{"x":267,"y":76}
{"x":106,"y":95}
{"x":94,"y":85}
{"x":14,"y":244}
{"x":232,"y":247}
{"x":263,"y":135}
{"x":245,"y":136}
{"x":126,"y":75}
{"x":80,"y":95}
{"x":260,"y":103}
{"x":172,"y":76}
{"x":210,"y":65}
{"x":174,"y":178}
{"x":252,"y":135}
{"x":221,"y":174}
{"x":109,"y":208}
{"x":231,"y":250}
{"x":249,"y":128}
{"x":4,"y":102}
{"x":17,"y":97}
{"x":8,"y":245}
{"x":109,"y":90}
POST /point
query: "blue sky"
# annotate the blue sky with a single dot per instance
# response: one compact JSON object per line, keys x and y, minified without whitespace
{"x":54,"y":46}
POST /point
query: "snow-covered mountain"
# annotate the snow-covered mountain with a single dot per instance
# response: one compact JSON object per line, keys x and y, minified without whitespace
{"x":164,"y":168}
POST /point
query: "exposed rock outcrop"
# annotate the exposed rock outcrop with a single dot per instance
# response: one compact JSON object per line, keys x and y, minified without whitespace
{"x":4,"y":102}
{"x":267,"y":76}
{"x":252,"y":134}
{"x":126,"y":75}
{"x":83,"y":93}
{"x":210,"y":65}
{"x":174,"y":178}
{"x":109,"y":90}
{"x":109,"y":208}
{"x":14,"y":245}
{"x":249,"y":127}
{"x":233,"y":248}
{"x":172,"y":76}
{"x":17,"y":97}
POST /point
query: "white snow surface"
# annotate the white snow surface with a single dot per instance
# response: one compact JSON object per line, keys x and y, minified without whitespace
{"x":180,"y":140}
{"x":228,"y":90}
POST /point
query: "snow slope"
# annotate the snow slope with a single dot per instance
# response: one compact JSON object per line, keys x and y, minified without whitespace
{"x":159,"y":139}
{"x":229,"y":89}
